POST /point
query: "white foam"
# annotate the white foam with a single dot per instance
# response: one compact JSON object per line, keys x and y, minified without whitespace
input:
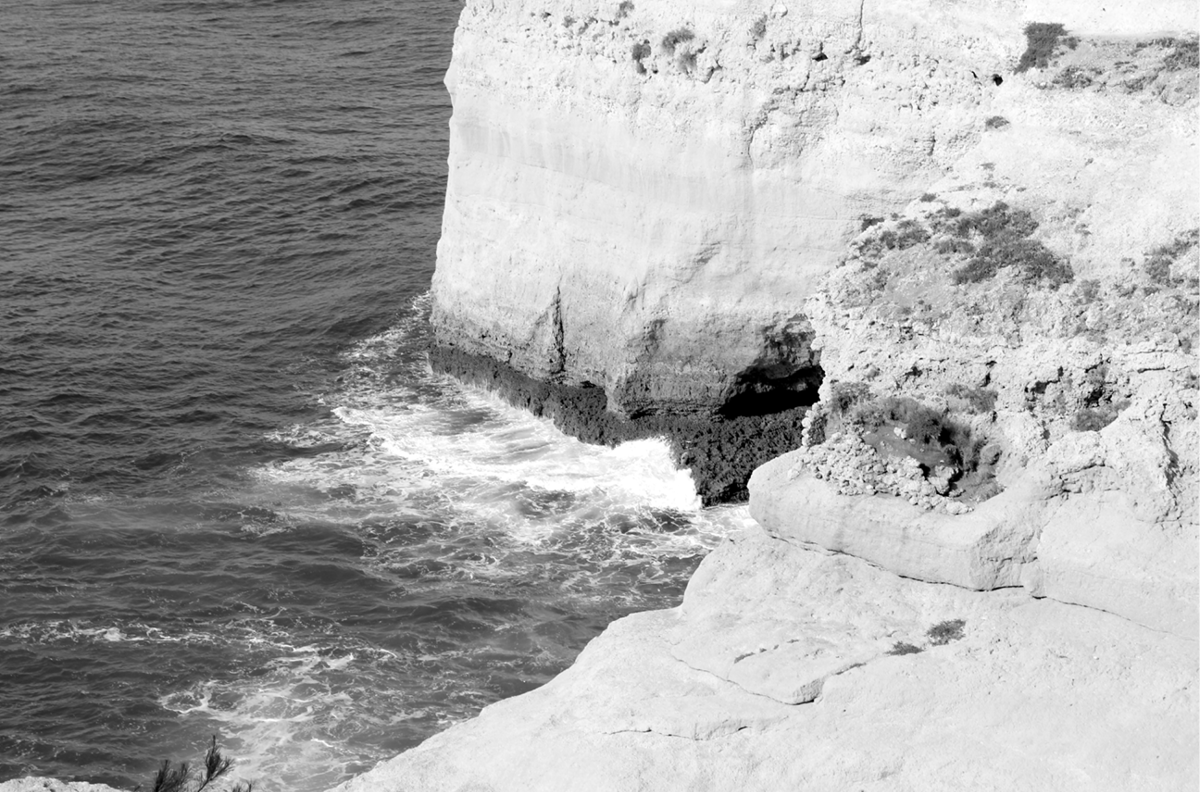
{"x":454,"y":486}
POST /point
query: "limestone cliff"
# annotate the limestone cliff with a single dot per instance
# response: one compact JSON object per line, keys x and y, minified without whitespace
{"x":978,"y":570}
{"x":643,"y":194}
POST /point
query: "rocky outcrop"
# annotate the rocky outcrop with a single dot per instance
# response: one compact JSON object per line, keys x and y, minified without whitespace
{"x":979,"y":569}
{"x":38,"y":784}
{"x":618,"y":169}
{"x":788,"y":668}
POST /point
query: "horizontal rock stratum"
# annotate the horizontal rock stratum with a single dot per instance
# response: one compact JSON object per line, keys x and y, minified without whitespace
{"x":642,"y":194}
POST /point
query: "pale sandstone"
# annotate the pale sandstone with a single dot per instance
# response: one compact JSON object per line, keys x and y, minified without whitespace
{"x":668,"y":235}
{"x":600,"y":223}
{"x":1035,"y":695}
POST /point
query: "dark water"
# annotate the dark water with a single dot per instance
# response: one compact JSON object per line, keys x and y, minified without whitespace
{"x":233,"y":499}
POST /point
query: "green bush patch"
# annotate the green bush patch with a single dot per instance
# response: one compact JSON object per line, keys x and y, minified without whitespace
{"x":1041,"y":39}
{"x":1159,"y":260}
{"x":1181,"y":53}
{"x":184,"y":778}
{"x":979,"y":400}
{"x":1004,"y":241}
{"x":903,"y":648}
{"x":640,"y":52}
{"x":675,"y":38}
{"x":944,"y":632}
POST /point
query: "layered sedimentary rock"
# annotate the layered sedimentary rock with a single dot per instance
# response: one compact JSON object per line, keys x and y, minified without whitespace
{"x":643,"y":194}
{"x":978,"y":570}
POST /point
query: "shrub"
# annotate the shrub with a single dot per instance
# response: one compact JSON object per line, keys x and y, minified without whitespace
{"x":640,"y":51}
{"x":980,"y":400}
{"x":1159,"y":260}
{"x":1041,"y":39}
{"x":1158,"y":268}
{"x":867,"y":222}
{"x":995,"y":122}
{"x":624,"y":9}
{"x":944,"y":632}
{"x":928,"y":197}
{"x":759,"y":29}
{"x":903,"y":648}
{"x":675,"y":38}
{"x":946,"y":246}
{"x":1087,"y":291}
{"x":183,"y":778}
{"x":1182,"y":53}
{"x":922,"y":425}
{"x":1074,"y":78}
{"x":989,"y":222}
{"x":1185,"y":54}
{"x":844,"y":395}
{"x":1006,"y":243}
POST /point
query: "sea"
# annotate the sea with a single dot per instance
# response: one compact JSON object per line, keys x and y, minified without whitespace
{"x":234,"y":499}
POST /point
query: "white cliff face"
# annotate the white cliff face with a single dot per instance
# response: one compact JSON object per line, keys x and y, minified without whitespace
{"x":664,"y":233}
{"x":643,"y":194}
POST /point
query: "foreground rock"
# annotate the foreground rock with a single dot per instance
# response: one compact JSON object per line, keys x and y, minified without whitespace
{"x":785,"y":668}
{"x":37,"y":784}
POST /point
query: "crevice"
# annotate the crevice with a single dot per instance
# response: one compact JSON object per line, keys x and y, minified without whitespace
{"x":559,"y":363}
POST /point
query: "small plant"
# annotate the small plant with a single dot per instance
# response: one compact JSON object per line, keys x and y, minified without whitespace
{"x":1159,"y":260}
{"x":183,"y":778}
{"x":1185,"y":54}
{"x":867,"y":222}
{"x":1041,"y":39}
{"x":640,"y":52}
{"x":943,"y":633}
{"x":930,"y":430}
{"x":759,"y":29}
{"x":1074,"y":78}
{"x":1087,"y":291}
{"x":979,"y":400}
{"x":624,"y":9}
{"x":995,"y":122}
{"x":928,"y":197}
{"x":1005,"y":243}
{"x":903,"y":648}
{"x":947,"y":246}
{"x":675,"y":38}
{"x":844,"y":395}
{"x":1182,"y":53}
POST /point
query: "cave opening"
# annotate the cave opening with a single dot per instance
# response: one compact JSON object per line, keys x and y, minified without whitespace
{"x":759,"y":393}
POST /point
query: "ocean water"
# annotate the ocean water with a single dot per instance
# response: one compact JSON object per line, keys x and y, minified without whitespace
{"x":234,"y":501}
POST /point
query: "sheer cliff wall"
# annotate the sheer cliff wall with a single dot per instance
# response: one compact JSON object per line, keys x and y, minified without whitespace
{"x":642,"y":194}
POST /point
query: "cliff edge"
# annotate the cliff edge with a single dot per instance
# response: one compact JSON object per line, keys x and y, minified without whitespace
{"x":968,"y":239}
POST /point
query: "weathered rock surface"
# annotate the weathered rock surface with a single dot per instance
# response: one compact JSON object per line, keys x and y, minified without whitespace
{"x":691,"y":205}
{"x":1023,"y":694}
{"x":37,"y":784}
{"x":618,"y":171}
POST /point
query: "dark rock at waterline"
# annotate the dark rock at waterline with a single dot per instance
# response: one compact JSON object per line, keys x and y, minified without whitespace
{"x":721,"y":450}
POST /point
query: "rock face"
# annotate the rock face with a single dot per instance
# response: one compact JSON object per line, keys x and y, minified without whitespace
{"x":788,"y":668}
{"x":35,"y":784}
{"x":979,"y":569}
{"x":643,"y":194}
